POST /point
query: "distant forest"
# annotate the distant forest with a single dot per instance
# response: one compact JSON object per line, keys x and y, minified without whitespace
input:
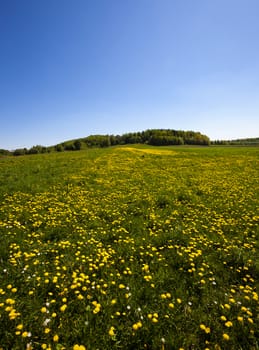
{"x":155,"y":137}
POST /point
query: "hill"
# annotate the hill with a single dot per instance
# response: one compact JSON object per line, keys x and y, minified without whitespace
{"x":155,"y":137}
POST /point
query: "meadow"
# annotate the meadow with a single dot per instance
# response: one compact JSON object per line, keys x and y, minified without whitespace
{"x":134,"y":247}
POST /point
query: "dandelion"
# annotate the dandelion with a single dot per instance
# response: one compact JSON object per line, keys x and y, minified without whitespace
{"x":136,"y":326}
{"x":112,"y":332}
{"x":79,"y":347}
{"x":55,"y":338}
{"x":63,"y":307}
{"x":226,"y":336}
{"x":205,"y":329}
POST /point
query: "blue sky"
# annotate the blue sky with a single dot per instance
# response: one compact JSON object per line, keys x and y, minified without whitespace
{"x":69,"y":69}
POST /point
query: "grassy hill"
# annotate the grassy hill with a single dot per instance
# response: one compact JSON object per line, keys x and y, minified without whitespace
{"x":130,"y":247}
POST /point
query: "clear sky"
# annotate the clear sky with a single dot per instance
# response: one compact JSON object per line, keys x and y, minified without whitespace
{"x":72,"y":68}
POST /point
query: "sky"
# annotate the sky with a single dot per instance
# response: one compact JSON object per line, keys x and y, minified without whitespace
{"x":73,"y":68}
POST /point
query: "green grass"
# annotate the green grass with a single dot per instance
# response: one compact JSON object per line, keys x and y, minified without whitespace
{"x":132,"y":247}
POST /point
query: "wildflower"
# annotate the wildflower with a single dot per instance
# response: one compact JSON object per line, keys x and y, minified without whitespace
{"x":226,"y":336}
{"x":79,"y":347}
{"x":63,"y":308}
{"x":26,"y":334}
{"x":136,"y":326}
{"x":111,"y":332}
{"x":228,"y":324}
{"x":46,"y":321}
{"x":205,"y":329}
{"x":55,"y":338}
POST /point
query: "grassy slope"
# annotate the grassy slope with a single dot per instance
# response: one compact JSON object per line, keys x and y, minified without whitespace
{"x":170,"y":236}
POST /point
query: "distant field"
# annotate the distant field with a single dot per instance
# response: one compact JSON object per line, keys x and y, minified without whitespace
{"x":133,"y":247}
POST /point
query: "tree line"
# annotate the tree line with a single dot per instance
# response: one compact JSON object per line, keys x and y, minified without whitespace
{"x":155,"y":137}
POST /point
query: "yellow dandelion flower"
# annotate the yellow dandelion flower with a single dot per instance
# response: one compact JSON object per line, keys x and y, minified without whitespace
{"x":225,"y":336}
{"x":112,"y":332}
{"x":135,"y":327}
{"x":55,"y":338}
{"x":63,"y":308}
{"x":79,"y":347}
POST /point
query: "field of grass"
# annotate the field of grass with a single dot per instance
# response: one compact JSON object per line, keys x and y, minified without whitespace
{"x":130,"y":248}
